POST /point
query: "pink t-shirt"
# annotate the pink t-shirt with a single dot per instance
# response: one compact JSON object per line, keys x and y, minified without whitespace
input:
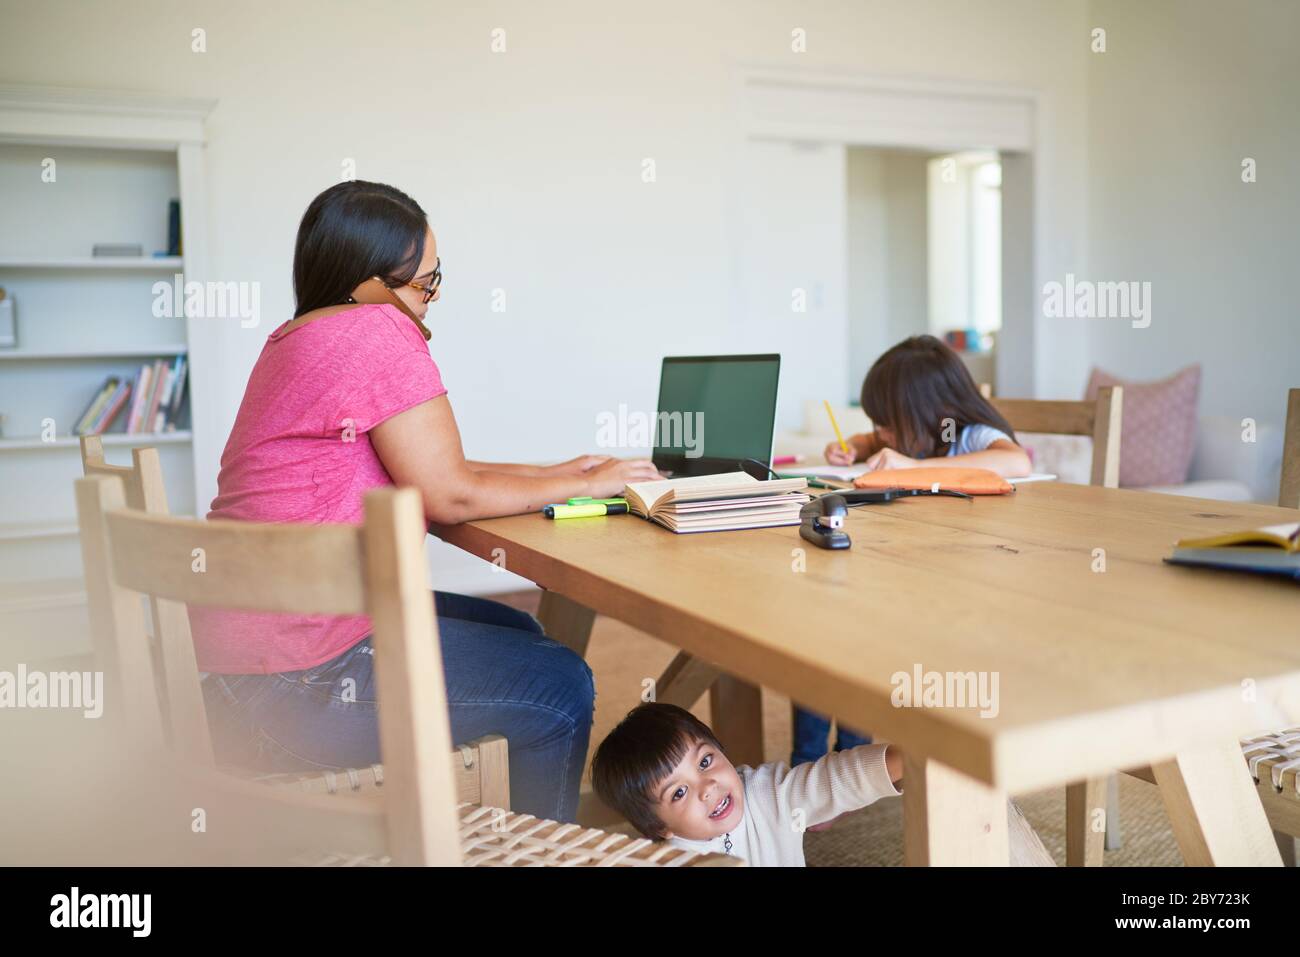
{"x":300,"y":452}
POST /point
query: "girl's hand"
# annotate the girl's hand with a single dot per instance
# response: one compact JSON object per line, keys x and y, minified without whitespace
{"x":837,"y":456}
{"x":890,"y":459}
{"x":608,"y":479}
{"x":579,"y":466}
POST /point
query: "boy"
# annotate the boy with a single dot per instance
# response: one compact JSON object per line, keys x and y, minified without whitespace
{"x":664,"y":770}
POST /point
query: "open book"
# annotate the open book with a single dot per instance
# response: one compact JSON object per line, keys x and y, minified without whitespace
{"x":715,"y":503}
{"x":1271,"y":550}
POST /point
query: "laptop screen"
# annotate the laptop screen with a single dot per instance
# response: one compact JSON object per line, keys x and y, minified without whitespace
{"x":715,"y":411}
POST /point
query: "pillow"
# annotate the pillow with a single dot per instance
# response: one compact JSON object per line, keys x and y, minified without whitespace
{"x":1158,"y":430}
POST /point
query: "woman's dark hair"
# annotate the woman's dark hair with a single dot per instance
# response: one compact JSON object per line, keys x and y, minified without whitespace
{"x":915,"y":387}
{"x":637,"y":755}
{"x":351,"y":232}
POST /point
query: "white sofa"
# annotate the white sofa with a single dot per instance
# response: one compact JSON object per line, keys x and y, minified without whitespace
{"x":1224,"y":467}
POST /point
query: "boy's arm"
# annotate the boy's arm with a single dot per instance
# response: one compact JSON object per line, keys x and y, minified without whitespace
{"x":839,"y":782}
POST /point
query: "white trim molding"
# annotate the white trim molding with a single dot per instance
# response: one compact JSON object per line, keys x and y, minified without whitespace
{"x":127,"y":120}
{"x":864,"y":110}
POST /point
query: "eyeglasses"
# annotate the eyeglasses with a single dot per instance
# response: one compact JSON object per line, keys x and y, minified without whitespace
{"x":431,"y":289}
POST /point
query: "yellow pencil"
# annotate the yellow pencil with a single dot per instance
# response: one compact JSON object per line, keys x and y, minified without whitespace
{"x":836,"y":426}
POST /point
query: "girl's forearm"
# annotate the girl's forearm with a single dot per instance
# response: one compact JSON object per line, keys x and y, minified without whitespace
{"x":864,"y":445}
{"x":1009,"y":463}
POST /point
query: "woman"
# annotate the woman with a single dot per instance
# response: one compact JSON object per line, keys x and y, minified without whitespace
{"x":344,"y":398}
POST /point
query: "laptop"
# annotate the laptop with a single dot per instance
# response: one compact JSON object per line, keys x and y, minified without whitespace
{"x":714,"y":412}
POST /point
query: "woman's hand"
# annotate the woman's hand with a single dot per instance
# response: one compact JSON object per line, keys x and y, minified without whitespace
{"x":608,"y":479}
{"x":579,"y":466}
{"x":837,"y":456}
{"x":890,"y":459}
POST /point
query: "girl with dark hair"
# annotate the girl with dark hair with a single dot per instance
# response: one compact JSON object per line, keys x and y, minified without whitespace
{"x":924,"y":405}
{"x":927,"y":411}
{"x":345,"y":398}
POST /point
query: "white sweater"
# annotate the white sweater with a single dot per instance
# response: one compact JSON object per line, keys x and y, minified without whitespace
{"x":770,"y":831}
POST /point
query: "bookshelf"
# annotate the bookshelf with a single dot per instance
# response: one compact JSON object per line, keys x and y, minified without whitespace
{"x":118,"y":159}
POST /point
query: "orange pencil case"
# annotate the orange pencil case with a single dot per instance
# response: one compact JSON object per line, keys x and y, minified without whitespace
{"x":970,"y":481}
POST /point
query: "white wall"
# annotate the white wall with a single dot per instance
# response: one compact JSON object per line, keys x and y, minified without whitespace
{"x":529,"y":162}
{"x":1183,"y":93}
{"x":887,"y":254}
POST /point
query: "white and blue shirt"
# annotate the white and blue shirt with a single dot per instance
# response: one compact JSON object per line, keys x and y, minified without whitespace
{"x":977,"y":438}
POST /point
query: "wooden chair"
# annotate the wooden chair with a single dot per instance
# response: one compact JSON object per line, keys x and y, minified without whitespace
{"x":1274,"y":759}
{"x":1100,"y":419}
{"x":1103,"y":420}
{"x":1289,"y":492}
{"x":482,"y":766}
{"x":378,"y":569}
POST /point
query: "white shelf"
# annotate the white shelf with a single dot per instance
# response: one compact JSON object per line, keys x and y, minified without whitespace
{"x":116,"y":352}
{"x":113,"y":438}
{"x":20,"y":531}
{"x":145,"y":263}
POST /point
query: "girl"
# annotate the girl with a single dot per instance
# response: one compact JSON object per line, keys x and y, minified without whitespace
{"x":927,"y":411}
{"x":924,"y":405}
{"x":344,"y":398}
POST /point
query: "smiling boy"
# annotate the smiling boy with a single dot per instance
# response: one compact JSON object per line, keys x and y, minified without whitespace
{"x":665,"y":771}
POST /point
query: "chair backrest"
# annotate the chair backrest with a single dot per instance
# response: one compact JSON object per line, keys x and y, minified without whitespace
{"x":378,"y":569}
{"x":1101,"y":419}
{"x":1289,"y":492}
{"x":143,"y":478}
{"x":186,"y":719}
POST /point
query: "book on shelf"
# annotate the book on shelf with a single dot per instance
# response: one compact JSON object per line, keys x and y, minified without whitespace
{"x":1271,"y":550}
{"x":715,"y":503}
{"x":152,"y":402}
{"x":114,"y":406}
{"x":96,"y":405}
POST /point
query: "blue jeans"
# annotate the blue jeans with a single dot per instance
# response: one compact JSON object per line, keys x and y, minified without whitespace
{"x":503,"y":675}
{"x":810,"y":733}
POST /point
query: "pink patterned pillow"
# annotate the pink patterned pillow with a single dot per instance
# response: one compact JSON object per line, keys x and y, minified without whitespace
{"x":1158,"y":431}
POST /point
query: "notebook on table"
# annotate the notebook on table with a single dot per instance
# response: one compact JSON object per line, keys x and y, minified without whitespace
{"x":715,"y":503}
{"x":1271,"y":550}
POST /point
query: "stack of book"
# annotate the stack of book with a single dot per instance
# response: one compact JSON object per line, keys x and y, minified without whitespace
{"x":155,"y":399}
{"x":716,"y":503}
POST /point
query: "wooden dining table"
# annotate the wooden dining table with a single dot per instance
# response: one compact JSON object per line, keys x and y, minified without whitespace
{"x":1094,"y":655}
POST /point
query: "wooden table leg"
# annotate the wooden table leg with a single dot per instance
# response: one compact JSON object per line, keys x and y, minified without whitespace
{"x":1083,"y":841}
{"x":566,"y":621}
{"x":737,"y":710}
{"x":685,"y":681}
{"x":1214,"y":810}
{"x":950,"y":819}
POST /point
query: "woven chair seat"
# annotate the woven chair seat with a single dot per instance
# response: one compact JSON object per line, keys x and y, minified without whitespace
{"x":491,"y":837}
{"x":1275,"y":758}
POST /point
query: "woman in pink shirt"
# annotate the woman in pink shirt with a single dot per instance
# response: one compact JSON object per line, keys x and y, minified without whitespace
{"x":344,"y":398}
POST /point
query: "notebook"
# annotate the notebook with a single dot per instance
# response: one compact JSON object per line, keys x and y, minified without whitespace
{"x":715,"y":503}
{"x":1271,"y":550}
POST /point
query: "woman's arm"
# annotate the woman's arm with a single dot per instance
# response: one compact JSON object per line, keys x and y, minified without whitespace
{"x":421,"y":448}
{"x":579,"y":466}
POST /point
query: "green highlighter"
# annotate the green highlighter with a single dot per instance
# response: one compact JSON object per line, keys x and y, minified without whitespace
{"x":586,"y":507}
